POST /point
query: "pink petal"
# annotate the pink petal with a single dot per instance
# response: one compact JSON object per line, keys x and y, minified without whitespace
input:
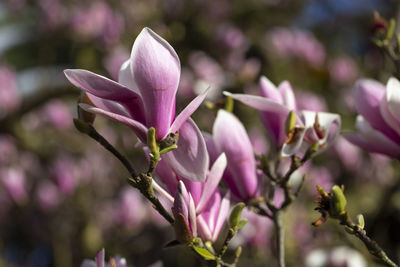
{"x":192,"y":216}
{"x":372,"y":140}
{"x":190,"y":160}
{"x":156,"y":70}
{"x":231,"y":138}
{"x":260,"y":103}
{"x":286,"y":91}
{"x":139,"y":129}
{"x":108,"y":105}
{"x":162,"y":192}
{"x":388,"y":116}
{"x":268,"y":90}
{"x":188,"y":111}
{"x":213,"y":179}
{"x":203,"y":229}
{"x":390,"y":106}
{"x":368,"y":96}
{"x":105,"y":88}
{"x":100,"y":258}
{"x":125,"y":77}
{"x":222,"y":215}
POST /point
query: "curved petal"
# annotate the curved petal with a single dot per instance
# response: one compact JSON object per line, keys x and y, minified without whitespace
{"x":202,"y":228}
{"x":268,"y":90}
{"x":372,"y":140}
{"x":286,"y":91}
{"x":190,"y":160}
{"x":393,"y":96}
{"x":105,"y":88}
{"x":368,"y":96}
{"x":125,"y":77}
{"x":329,"y":122}
{"x":222,"y":215}
{"x":388,"y":116}
{"x":213,"y":179}
{"x":273,"y":115}
{"x":139,"y":129}
{"x":192,"y":216}
{"x":156,"y":70}
{"x":231,"y":138}
{"x":188,"y":111}
{"x":162,"y":192}
{"x":108,"y":105}
{"x":260,"y":103}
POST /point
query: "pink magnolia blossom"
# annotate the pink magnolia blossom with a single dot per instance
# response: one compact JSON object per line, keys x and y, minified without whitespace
{"x":231,"y":138}
{"x":275,"y":104}
{"x":145,"y":95}
{"x":200,"y":203}
{"x":378,"y":126}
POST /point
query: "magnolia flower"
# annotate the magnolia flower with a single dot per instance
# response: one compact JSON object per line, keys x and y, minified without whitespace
{"x":204,"y":220}
{"x":199,"y":203}
{"x":144,"y":95}
{"x":275,"y":105}
{"x":230,"y":137}
{"x":378,"y":126}
{"x":100,"y":261}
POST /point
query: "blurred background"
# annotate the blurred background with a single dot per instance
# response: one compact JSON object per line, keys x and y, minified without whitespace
{"x":63,"y":197}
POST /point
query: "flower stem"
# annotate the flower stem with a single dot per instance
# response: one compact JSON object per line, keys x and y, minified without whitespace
{"x":142,"y":181}
{"x":280,"y":238}
{"x":371,"y":244}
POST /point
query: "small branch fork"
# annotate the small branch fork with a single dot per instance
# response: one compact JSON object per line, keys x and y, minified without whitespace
{"x":271,"y":211}
{"x":141,"y":181}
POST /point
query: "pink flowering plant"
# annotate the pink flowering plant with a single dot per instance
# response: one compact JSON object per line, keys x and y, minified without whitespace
{"x":187,"y":167}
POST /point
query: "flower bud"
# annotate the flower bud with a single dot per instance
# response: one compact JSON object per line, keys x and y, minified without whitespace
{"x":234,"y":218}
{"x":338,"y":201}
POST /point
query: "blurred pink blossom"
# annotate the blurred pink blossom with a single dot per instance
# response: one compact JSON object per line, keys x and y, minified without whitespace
{"x":297,"y":43}
{"x":14,"y":181}
{"x":9,"y":95}
{"x":114,"y":61}
{"x":98,"y":20}
{"x":310,"y":101}
{"x":48,"y":196}
{"x":57,"y":114}
{"x":64,"y":172}
{"x":343,"y":70}
{"x":130,"y":209}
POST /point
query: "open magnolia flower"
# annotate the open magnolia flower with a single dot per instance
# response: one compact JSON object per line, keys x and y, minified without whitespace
{"x":144,"y":95}
{"x":200,"y":204}
{"x":275,"y":106}
{"x":378,"y":123}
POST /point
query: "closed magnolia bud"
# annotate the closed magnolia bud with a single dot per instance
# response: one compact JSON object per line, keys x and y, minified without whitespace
{"x":236,"y":212}
{"x":360,"y":221}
